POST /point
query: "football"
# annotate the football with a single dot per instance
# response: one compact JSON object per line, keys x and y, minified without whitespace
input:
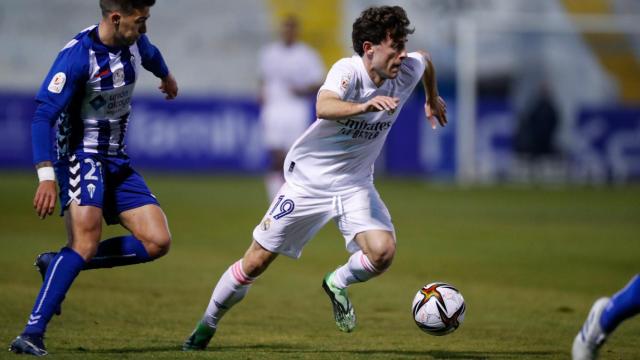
{"x":438,"y":308}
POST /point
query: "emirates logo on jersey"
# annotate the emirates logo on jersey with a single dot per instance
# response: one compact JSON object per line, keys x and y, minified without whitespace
{"x":360,"y":129}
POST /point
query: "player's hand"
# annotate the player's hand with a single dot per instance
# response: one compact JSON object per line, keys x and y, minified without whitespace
{"x":436,"y":112}
{"x":381,"y":103}
{"x":169,"y":86}
{"x":45,"y":199}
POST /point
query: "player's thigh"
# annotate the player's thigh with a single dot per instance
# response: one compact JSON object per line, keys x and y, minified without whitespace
{"x":84,"y":228}
{"x":292,"y":220}
{"x":147,"y":223}
{"x":130,"y":202}
{"x":365,"y":222}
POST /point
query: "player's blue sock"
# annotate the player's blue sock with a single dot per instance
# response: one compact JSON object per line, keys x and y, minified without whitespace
{"x":119,"y":251}
{"x":64,"y":268}
{"x":624,"y":304}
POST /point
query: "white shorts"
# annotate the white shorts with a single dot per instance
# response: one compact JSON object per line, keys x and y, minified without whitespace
{"x":295,"y":217}
{"x":282,"y":126}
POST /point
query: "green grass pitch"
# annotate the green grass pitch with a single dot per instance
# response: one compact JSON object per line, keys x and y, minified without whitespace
{"x":529,"y":262}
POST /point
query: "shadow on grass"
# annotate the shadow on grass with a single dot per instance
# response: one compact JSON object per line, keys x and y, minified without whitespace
{"x":285,"y":348}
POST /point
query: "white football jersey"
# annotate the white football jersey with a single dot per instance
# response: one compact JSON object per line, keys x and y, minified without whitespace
{"x":283,"y":68}
{"x":333,"y":156}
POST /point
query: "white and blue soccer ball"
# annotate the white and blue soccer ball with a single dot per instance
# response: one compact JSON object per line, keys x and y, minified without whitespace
{"x":438,"y":308}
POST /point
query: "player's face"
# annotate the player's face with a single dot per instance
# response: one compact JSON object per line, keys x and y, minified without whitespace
{"x":388,"y":56}
{"x":132,"y":26}
{"x":289,"y":31}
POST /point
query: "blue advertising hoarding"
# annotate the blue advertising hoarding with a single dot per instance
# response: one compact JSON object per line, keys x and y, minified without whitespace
{"x":218,"y":134}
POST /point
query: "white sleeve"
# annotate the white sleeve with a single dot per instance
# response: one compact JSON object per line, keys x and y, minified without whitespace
{"x":416,"y":64}
{"x":340,"y":79}
{"x":315,"y":68}
{"x":263,"y":62}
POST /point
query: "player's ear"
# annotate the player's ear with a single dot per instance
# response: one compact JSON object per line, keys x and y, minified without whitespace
{"x":115,"y":18}
{"x":367,"y":47}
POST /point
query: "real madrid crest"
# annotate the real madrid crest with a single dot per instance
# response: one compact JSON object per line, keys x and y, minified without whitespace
{"x":266,"y":223}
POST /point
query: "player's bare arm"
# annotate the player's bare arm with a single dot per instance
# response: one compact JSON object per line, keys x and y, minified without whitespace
{"x":44,"y":200}
{"x":435,"y":107}
{"x":169,"y":86}
{"x":330,"y":107}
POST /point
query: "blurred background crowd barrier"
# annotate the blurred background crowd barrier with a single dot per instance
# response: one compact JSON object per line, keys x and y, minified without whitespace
{"x":543,"y":91}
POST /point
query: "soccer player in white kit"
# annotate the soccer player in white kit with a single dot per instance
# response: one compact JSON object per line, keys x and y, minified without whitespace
{"x":290,"y":72}
{"x":329,"y":170}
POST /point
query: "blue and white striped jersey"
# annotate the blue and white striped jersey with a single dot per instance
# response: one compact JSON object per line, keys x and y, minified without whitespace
{"x":88,"y":92}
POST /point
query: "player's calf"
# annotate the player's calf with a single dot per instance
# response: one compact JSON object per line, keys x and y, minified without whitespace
{"x":42,"y":264}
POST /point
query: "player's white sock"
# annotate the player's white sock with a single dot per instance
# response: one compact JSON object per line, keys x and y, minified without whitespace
{"x":273,"y":181}
{"x":358,"y":269}
{"x":231,"y":288}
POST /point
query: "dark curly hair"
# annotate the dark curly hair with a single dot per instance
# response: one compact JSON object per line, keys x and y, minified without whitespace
{"x":124,"y":6}
{"x":376,"y":22}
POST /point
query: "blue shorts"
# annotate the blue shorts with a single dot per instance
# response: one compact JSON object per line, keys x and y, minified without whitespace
{"x":107,"y":182}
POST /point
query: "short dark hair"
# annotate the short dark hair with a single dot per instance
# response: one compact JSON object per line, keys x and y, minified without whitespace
{"x":124,"y":6}
{"x":376,"y":22}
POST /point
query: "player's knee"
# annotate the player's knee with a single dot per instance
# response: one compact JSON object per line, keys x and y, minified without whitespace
{"x":86,"y":249}
{"x":157,"y":244}
{"x":382,"y":257}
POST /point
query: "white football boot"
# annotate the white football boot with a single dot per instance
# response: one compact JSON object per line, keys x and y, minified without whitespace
{"x":591,"y":337}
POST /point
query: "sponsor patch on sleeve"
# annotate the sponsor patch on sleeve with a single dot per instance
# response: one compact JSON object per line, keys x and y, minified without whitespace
{"x":57,"y":83}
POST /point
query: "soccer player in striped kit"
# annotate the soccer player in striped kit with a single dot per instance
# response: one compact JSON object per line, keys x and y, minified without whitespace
{"x":329,"y":170}
{"x":87,"y":95}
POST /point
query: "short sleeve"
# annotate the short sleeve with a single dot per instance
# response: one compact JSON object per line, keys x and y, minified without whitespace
{"x":416,"y":64}
{"x":340,"y":79}
{"x":315,"y":67}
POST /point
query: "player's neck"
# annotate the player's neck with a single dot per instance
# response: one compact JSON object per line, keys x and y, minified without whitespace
{"x":288,"y":43}
{"x":106,"y":34}
{"x":373,"y":75}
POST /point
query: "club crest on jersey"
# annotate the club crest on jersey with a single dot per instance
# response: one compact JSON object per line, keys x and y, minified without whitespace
{"x":92,"y":189}
{"x":344,"y":82}
{"x":57,"y":83}
{"x":266,"y":224}
{"x":118,"y":77}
